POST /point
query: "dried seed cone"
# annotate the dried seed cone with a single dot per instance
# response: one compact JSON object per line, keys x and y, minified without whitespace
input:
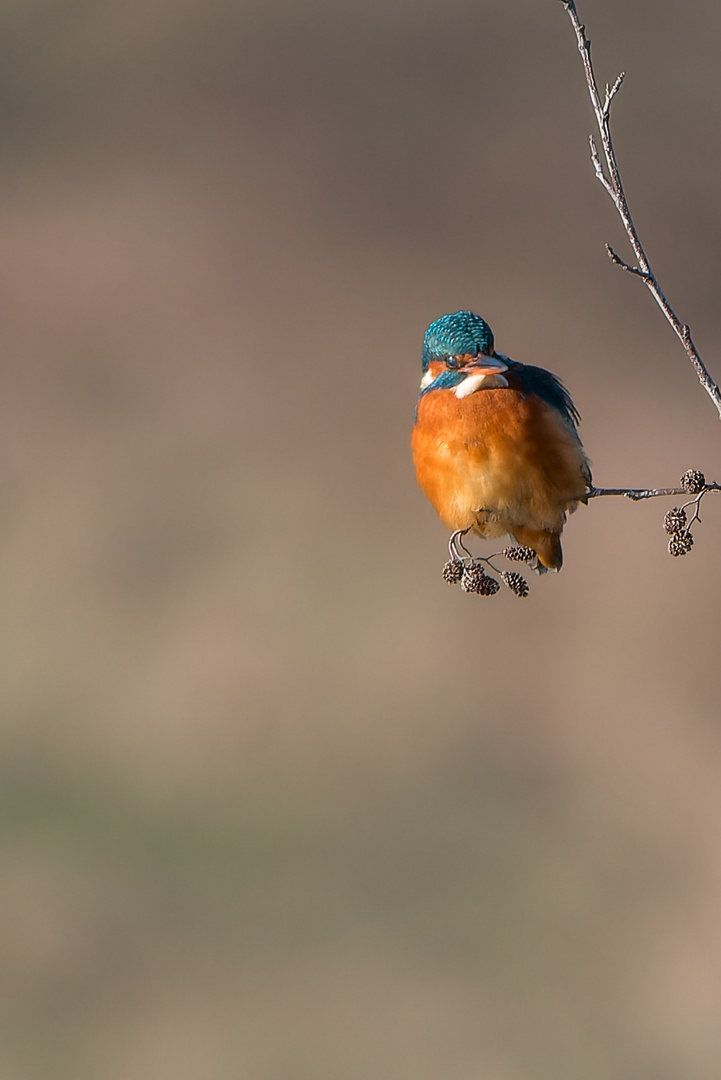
{"x":476,"y":580}
{"x":473,"y":575}
{"x":680,"y":544}
{"x":515,"y":582}
{"x":675,"y":520}
{"x":693,"y":481}
{"x":453,"y":571}
{"x":516,"y":553}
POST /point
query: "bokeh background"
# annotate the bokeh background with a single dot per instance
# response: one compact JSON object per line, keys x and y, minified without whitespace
{"x":275,"y":802}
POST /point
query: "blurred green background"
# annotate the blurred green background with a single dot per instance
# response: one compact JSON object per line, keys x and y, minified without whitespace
{"x":276,"y":803}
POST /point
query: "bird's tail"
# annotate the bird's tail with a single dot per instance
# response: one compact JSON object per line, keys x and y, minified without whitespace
{"x":547,"y":545}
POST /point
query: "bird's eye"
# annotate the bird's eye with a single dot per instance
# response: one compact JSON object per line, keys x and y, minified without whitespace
{"x":453,"y":362}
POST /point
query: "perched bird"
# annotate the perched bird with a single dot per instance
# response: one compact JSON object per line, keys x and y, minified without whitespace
{"x":494,"y":442}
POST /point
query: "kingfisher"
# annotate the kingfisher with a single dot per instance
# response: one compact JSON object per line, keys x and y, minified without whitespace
{"x":495,"y":442}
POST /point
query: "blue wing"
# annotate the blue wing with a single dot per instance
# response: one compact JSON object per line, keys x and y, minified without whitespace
{"x":538,"y":381}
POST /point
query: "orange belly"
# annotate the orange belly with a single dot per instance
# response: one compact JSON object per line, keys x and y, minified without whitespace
{"x":500,"y":462}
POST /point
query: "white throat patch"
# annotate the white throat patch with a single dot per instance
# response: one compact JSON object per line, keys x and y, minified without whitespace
{"x":471,"y":383}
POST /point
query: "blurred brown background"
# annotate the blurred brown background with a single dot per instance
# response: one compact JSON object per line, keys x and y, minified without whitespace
{"x":276,"y":803}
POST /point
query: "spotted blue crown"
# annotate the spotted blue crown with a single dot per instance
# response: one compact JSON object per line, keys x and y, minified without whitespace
{"x":457,"y":335}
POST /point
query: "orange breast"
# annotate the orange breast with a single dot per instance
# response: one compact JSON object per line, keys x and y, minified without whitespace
{"x":497,"y":461}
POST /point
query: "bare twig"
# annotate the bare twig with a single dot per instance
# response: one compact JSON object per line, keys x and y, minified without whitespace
{"x":696,"y":503}
{"x":618,"y":261}
{"x":614,"y":187}
{"x":610,"y":94}
{"x":644,"y":493}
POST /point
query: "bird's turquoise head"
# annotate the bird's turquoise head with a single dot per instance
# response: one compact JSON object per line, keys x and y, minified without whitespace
{"x":463,"y":334}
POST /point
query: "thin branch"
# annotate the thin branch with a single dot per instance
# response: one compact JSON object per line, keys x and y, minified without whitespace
{"x":610,"y":94}
{"x":696,"y":507}
{"x":645,"y":493}
{"x":614,"y":187}
{"x":598,"y":167}
{"x":618,"y":261}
